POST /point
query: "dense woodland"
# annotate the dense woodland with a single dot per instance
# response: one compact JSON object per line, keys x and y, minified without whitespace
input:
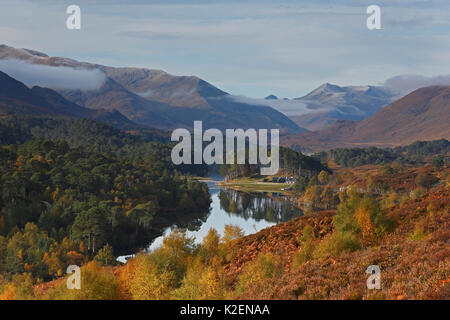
{"x":416,"y":153}
{"x":61,"y":204}
{"x":291,"y":163}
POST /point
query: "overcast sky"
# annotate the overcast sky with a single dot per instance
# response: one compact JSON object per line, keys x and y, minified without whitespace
{"x":250,"y":48}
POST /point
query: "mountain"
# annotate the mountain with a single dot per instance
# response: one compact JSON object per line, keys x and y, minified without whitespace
{"x":157,"y":99}
{"x":16,"y":98}
{"x":271,"y":97}
{"x":423,"y":115}
{"x":329,"y":103}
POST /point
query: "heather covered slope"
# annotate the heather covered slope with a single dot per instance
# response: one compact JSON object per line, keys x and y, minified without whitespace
{"x":421,"y":115}
{"x":414,"y":257}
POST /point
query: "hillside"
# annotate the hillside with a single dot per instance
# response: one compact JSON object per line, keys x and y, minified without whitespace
{"x":414,"y":258}
{"x":157,"y":99}
{"x":16,"y":98}
{"x":421,"y":115}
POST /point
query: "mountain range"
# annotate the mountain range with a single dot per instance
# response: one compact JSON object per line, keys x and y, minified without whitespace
{"x":330,"y":102}
{"x":139,"y":98}
{"x":157,"y":99}
{"x":423,"y":115}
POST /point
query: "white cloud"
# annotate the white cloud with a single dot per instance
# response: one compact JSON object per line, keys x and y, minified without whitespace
{"x":404,"y":84}
{"x":288,"y":107}
{"x":52,"y":77}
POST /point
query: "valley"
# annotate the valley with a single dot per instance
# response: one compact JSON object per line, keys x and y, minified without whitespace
{"x":89,"y":178}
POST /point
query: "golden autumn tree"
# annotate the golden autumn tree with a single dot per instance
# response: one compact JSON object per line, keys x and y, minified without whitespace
{"x":202,"y":282}
{"x":149,"y":283}
{"x":364,"y":221}
{"x":210,"y":244}
{"x":97,"y":283}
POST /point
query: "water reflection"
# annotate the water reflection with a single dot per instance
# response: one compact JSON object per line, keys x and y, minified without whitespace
{"x":250,"y":211}
{"x":271,"y":207}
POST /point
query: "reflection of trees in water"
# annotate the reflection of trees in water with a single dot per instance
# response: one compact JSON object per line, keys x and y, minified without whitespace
{"x":184,"y":221}
{"x":258,"y":206}
{"x":193,"y":221}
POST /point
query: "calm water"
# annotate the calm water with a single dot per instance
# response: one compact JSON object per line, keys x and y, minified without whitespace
{"x":252,"y":212}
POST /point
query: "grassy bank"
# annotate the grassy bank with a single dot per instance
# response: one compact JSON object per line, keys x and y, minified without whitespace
{"x":254,"y":185}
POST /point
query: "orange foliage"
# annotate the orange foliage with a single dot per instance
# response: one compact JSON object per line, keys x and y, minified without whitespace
{"x":364,"y":222}
{"x":9,"y":293}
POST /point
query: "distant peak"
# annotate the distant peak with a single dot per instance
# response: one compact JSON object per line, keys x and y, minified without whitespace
{"x":36,"y":53}
{"x":330,"y":87}
{"x":325,"y":89}
{"x":17,"y":52}
{"x":271,"y":97}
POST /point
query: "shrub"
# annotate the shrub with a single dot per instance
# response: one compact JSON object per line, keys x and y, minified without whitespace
{"x":232,"y":232}
{"x":304,"y":254}
{"x":417,"y":193}
{"x":301,"y":185}
{"x":335,"y":244}
{"x":202,"y":282}
{"x":210,"y":245}
{"x":433,"y":207}
{"x":105,"y":256}
{"x":437,"y":162}
{"x":365,"y":224}
{"x":266,"y":266}
{"x":425,"y":180}
{"x":307,"y":234}
{"x":323,"y":177}
{"x":361,"y":215}
{"x":19,"y":288}
{"x":97,"y":283}
{"x":148,"y":282}
{"x":419,"y":231}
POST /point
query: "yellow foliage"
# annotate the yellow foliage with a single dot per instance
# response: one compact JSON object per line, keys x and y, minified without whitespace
{"x":97,"y":283}
{"x":210,"y":244}
{"x":19,"y":288}
{"x":9,"y":293}
{"x":304,"y":254}
{"x":266,"y":266}
{"x":146,"y":283}
{"x":202,"y":282}
{"x":55,"y":194}
{"x":231,"y":232}
{"x":391,"y":200}
{"x":366,"y":226}
{"x":323,"y":177}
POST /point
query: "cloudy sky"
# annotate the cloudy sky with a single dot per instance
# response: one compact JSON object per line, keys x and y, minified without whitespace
{"x":251,"y":48}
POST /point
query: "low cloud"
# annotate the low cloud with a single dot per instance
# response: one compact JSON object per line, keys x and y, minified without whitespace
{"x":405,"y":84}
{"x":53,"y":77}
{"x":288,"y":107}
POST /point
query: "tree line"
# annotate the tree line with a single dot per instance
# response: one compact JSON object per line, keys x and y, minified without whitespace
{"x":416,"y":153}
